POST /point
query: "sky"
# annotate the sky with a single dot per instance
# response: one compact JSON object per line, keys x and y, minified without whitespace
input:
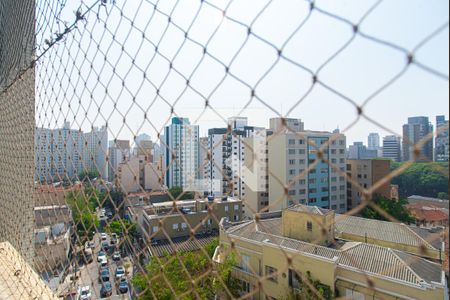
{"x":95,"y":75}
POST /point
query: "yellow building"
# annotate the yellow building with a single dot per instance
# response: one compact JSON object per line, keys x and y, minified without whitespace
{"x":278,"y":252}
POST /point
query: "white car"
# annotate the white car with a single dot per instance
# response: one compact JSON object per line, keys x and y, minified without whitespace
{"x":104,"y":236}
{"x":84,"y":293}
{"x":101,"y":256}
{"x":120,"y":272}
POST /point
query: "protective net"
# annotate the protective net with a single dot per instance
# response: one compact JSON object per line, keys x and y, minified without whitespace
{"x":244,"y":212}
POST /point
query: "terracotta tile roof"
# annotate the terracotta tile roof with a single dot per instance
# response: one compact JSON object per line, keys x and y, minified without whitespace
{"x":429,"y":213}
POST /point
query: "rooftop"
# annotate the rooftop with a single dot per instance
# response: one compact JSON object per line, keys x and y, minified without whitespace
{"x":380,"y":230}
{"x":427,"y":212}
{"x":182,"y":244}
{"x":368,"y":258}
{"x":310,"y":209}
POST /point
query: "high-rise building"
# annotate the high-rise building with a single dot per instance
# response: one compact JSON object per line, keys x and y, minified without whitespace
{"x":311,"y":178}
{"x":359,"y":151}
{"x":366,"y":173}
{"x":119,"y":151}
{"x":286,"y":124}
{"x":442,"y":149}
{"x":418,"y":130}
{"x":63,"y":153}
{"x":225,"y":173}
{"x":392,"y":148}
{"x":373,"y":141}
{"x":95,"y":150}
{"x":181,"y":156}
{"x":256,"y":174}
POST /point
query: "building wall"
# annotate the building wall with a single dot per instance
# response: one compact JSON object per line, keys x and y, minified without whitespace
{"x":129,"y":175}
{"x":295,"y":227}
{"x":392,"y":148}
{"x":290,"y":156}
{"x":153,"y":177}
{"x":367,"y":173}
{"x":340,"y":279}
{"x":200,"y":217}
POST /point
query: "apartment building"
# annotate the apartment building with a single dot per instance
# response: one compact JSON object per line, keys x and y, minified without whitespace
{"x":278,"y":252}
{"x":181,"y":156}
{"x":256,"y":174}
{"x":392,"y":148}
{"x":161,"y":221}
{"x":307,"y":168}
{"x":95,"y":150}
{"x":441,"y":148}
{"x":359,"y":151}
{"x":52,"y":238}
{"x":137,"y":174}
{"x":418,"y":130}
{"x":225,"y":173}
{"x":63,"y":153}
{"x":118,"y":152}
{"x":366,"y":173}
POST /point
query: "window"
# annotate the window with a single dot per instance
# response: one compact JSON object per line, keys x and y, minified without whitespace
{"x":227,"y":208}
{"x":312,"y":191}
{"x":236,"y":207}
{"x":341,"y":151}
{"x":291,"y":142}
{"x":271,"y":273}
{"x":342,"y":178}
{"x":292,"y":193}
{"x":155,"y":229}
{"x":183,"y":226}
{"x":301,"y":151}
{"x":245,"y":286}
{"x":312,"y":200}
{"x":333,"y":179}
{"x":354,"y":295}
{"x":333,"y":160}
{"x":175,"y":226}
{"x":302,"y":181}
{"x":301,"y":161}
{"x":309,"y":226}
{"x":324,"y":189}
{"x":292,"y":172}
{"x":294,"y":280}
{"x":333,"y":151}
{"x":236,"y":218}
{"x":312,"y":181}
{"x":292,"y":162}
{"x":301,"y":142}
{"x":291,"y":151}
{"x":302,"y":192}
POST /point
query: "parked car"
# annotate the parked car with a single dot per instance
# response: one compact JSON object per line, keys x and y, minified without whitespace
{"x":104,"y":236}
{"x":113,"y":239}
{"x":84,"y":293}
{"x":120,"y":272}
{"x":105,"y":246}
{"x":91,"y":244}
{"x":116,"y":256}
{"x":104,"y":276}
{"x":101,"y":256}
{"x":88,"y":255}
{"x":101,"y":269}
{"x":106,"y":290}
{"x":123,"y":286}
{"x":109,"y":215}
{"x":104,"y":262}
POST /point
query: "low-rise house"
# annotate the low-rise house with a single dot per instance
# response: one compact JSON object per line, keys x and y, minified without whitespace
{"x":176,"y":221}
{"x":277,"y":253}
{"x":428,"y":216}
{"x":52,"y":241}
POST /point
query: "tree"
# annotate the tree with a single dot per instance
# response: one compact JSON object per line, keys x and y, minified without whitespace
{"x":87,"y":176}
{"x":443,"y":196}
{"x":178,"y":193}
{"x":394,"y":208}
{"x":83,"y":205}
{"x":424,"y":179}
{"x":120,"y":227}
{"x":196,"y":263}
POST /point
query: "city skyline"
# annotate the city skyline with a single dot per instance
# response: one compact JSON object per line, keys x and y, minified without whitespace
{"x":356,"y":73}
